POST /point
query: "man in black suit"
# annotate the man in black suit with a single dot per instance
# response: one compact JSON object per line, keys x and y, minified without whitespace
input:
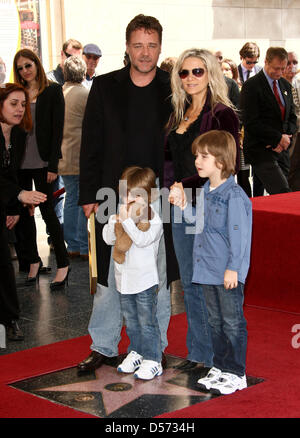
{"x":248,"y":67}
{"x":270,"y":121}
{"x":124,"y":122}
{"x":249,"y":55}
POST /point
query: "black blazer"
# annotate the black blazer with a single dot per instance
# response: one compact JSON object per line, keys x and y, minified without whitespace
{"x":257,"y":69}
{"x":49,"y":124}
{"x":103,"y":148}
{"x":9,"y":187}
{"x":262,"y":117}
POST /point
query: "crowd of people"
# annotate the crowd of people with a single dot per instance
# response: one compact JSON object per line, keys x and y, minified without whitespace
{"x":197,"y":126}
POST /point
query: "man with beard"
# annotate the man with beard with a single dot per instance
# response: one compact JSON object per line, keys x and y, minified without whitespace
{"x":124,"y":122}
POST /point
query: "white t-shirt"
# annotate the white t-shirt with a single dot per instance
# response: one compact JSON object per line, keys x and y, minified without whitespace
{"x":139,"y":270}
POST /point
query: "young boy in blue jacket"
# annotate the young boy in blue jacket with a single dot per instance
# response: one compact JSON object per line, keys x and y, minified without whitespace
{"x":221,"y":256}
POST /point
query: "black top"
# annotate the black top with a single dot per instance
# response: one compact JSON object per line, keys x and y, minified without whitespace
{"x":9,"y":163}
{"x":180,"y":145}
{"x":142,"y":127}
{"x":49,"y":124}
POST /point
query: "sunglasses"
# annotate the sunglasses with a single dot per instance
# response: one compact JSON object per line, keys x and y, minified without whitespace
{"x":25,"y":67}
{"x":197,"y":72}
{"x":251,"y":62}
{"x":67,"y":54}
{"x":294,"y":62}
{"x":93,"y":57}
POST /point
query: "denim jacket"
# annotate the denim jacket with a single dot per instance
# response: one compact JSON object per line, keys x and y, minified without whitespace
{"x":223,"y":240}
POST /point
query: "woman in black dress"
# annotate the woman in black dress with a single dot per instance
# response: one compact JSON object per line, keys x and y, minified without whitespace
{"x":15,"y":118}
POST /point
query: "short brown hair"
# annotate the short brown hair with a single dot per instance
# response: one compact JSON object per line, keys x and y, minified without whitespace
{"x":142,"y":178}
{"x":41,"y":75}
{"x":75,"y":44}
{"x":150,"y":24}
{"x":222,"y":146}
{"x":276,"y":52}
{"x":5,"y":91}
{"x":250,"y":50}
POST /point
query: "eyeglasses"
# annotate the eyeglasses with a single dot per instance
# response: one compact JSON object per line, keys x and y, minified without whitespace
{"x":25,"y":67}
{"x":93,"y":57}
{"x":294,"y":62}
{"x":197,"y":72}
{"x":251,"y":62}
{"x":67,"y":54}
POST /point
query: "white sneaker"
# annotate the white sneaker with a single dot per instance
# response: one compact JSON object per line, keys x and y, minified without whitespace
{"x":211,"y":378}
{"x":131,"y":363}
{"x":228,"y":383}
{"x":148,"y":370}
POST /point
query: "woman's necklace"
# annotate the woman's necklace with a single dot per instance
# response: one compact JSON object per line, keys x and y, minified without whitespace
{"x":33,"y":92}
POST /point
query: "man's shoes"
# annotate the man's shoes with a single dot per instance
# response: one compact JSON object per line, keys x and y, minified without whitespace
{"x":92,"y":362}
{"x":13,"y":332}
{"x":188,"y":365}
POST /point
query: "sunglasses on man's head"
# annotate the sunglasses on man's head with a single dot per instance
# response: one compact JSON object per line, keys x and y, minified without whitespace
{"x":251,"y":62}
{"x":25,"y":67}
{"x":197,"y":72}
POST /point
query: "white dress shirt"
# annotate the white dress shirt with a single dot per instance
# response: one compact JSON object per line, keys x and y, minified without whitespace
{"x":139,"y":270}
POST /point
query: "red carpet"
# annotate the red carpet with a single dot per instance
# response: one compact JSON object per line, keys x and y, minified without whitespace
{"x":273,"y":283}
{"x":270,"y":356}
{"x":274,"y":280}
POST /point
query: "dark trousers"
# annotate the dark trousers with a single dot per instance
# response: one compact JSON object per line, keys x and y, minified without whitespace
{"x":9,"y":304}
{"x":243,"y":181}
{"x":273,"y":174}
{"x":258,"y":187}
{"x":294,"y":174}
{"x":26,"y":246}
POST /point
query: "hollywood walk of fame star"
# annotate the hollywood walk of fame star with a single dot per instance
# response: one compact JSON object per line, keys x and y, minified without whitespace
{"x":119,"y":389}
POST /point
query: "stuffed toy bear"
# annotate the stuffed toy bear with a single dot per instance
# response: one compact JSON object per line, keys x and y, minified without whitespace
{"x":141,"y":216}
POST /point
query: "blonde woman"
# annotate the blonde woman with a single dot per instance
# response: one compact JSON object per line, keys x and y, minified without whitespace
{"x":200,"y":101}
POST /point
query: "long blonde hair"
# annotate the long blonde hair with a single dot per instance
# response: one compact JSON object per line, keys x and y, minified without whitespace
{"x":216,"y":84}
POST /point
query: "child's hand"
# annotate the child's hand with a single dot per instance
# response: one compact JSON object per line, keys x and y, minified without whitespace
{"x":177,"y":196}
{"x":123,"y":213}
{"x":230,"y":279}
{"x":135,"y":210}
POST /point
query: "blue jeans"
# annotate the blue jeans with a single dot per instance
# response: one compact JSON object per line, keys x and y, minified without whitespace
{"x":75,"y":222}
{"x":198,"y":340}
{"x":142,"y":328}
{"x":228,"y":327}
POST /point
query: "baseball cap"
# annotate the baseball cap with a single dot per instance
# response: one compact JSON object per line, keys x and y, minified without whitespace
{"x":92,"y":49}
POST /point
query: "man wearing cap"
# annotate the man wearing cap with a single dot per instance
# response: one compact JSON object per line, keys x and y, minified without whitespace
{"x":91,"y":56}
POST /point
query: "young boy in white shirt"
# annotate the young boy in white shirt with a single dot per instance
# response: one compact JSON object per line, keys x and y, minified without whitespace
{"x":137,"y":277}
